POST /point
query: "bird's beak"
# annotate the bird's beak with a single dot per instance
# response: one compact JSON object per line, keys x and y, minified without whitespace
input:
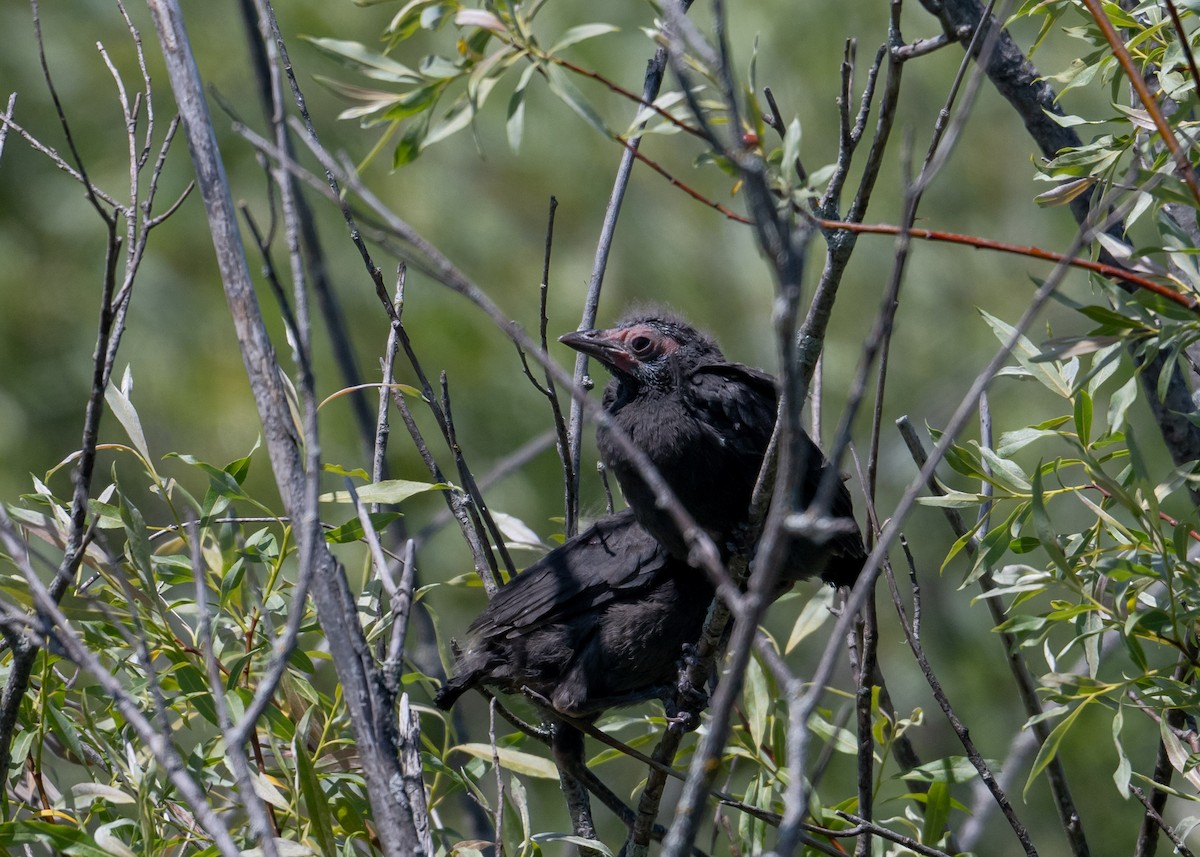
{"x":605,"y":345}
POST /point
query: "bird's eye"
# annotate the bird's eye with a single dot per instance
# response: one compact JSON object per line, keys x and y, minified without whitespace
{"x":641,"y":344}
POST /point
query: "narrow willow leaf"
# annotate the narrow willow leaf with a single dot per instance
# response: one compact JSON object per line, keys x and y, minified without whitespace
{"x":360,"y":58}
{"x":83,"y":792}
{"x":952,"y":769}
{"x":458,"y":117}
{"x":582,"y":33}
{"x":569,"y":838}
{"x":1119,"y":402}
{"x":562,"y":86}
{"x":1083,"y":416}
{"x":1026,"y":353}
{"x":516,"y":761}
{"x":1005,"y":472}
{"x":316,"y":805}
{"x":1124,"y":771}
{"x":1177,"y":753}
{"x":791,"y":147}
{"x":411,"y":142}
{"x":387,"y":491}
{"x":757,"y":700}
{"x":953,"y":500}
{"x":1049,"y":748}
{"x":1014,"y":441}
{"x":515,"y":124}
{"x":815,"y":614}
{"x":1041,"y":522}
{"x":937,"y":813}
{"x":1065,"y":192}
{"x":352,"y":530}
{"x":122,"y":408}
{"x":107,"y":839}
{"x":60,"y":837}
{"x":137,"y":542}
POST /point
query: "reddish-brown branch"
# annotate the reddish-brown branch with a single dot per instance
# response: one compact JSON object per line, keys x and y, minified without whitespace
{"x":1184,"y":41}
{"x":1173,"y":522}
{"x":1114,"y":271}
{"x":694,"y":194}
{"x":632,"y":96}
{"x":1144,"y":94}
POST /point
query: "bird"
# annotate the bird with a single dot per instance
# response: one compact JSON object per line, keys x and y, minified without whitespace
{"x":602,"y":621}
{"x":705,"y":422}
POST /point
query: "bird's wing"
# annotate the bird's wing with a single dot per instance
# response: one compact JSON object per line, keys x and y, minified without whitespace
{"x":736,"y":401}
{"x":745,"y":398}
{"x":612,"y":558}
{"x":848,"y":544}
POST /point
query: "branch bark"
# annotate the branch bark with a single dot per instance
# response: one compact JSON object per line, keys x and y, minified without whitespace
{"x":374,"y":727}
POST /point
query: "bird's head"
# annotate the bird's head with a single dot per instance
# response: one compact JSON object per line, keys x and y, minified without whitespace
{"x":646,"y":348}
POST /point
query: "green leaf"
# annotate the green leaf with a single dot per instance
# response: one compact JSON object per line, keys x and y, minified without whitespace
{"x":582,"y":33}
{"x":815,"y":614}
{"x":415,"y":101}
{"x":1124,"y":772}
{"x":758,"y":701}
{"x":953,"y":500}
{"x":1065,"y":192}
{"x":338,"y":470}
{"x":791,"y":147}
{"x":1005,"y":472}
{"x":65,"y":730}
{"x":1083,"y":416}
{"x":220,"y":481}
{"x":122,"y":408}
{"x":137,"y":540}
{"x":1119,"y":402}
{"x":516,"y":761}
{"x":407,"y":21}
{"x":410,"y":144}
{"x":584,"y":844}
{"x":195,"y":688}
{"x":1014,"y":441}
{"x":459,"y":116}
{"x":85,"y":793}
{"x":843,"y":740}
{"x":352,"y":530}
{"x":515,"y":124}
{"x":358,"y":57}
{"x":1049,"y":748}
{"x":387,"y":491}
{"x":60,"y":837}
{"x":937,"y":813}
{"x":432,"y":17}
{"x":1041,"y":522}
{"x":952,"y":770}
{"x":1026,"y":353}
{"x":562,"y":86}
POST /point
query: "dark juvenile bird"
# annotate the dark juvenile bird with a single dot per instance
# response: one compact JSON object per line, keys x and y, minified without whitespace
{"x":601,"y":621}
{"x":705,"y":423}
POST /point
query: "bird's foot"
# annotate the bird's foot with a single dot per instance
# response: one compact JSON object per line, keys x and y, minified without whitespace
{"x":684,"y":704}
{"x":682,"y":720}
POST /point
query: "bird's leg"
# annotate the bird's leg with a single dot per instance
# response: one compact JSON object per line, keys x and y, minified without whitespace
{"x":567,"y":745}
{"x":694,"y":700}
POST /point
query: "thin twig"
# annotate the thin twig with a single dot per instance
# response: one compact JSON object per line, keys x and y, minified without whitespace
{"x":1117,"y":273}
{"x":1182,"y":161}
{"x":261,"y":824}
{"x":650,"y":88}
{"x":167,"y":756}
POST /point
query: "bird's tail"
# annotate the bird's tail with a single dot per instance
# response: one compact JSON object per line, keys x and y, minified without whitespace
{"x":449,"y":693}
